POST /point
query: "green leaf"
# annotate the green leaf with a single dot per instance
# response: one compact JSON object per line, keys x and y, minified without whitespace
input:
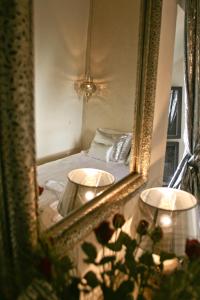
{"x":129,"y":297}
{"x":125,"y":288}
{"x":91,"y":279}
{"x":108,"y":272}
{"x":132,"y":246}
{"x":117,"y":246}
{"x":165,"y":255}
{"x":90,"y":251}
{"x":126,"y":239}
{"x":121,"y":267}
{"x":147,"y":259}
{"x":141,"y":297}
{"x":123,"y":239}
{"x":107,"y":259}
{"x":131,"y":264}
{"x":156,"y":234}
{"x":66,"y":264}
{"x":141,"y":269}
{"x":108,"y":293}
{"x":72,"y":290}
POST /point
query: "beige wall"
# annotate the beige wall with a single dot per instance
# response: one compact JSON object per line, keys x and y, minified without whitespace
{"x":164,"y":77}
{"x":178,"y":71}
{"x":60,"y":60}
{"x":113,"y":65}
{"x":60,"y":31}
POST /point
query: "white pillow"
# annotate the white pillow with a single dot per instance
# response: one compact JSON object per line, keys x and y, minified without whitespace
{"x":112,"y":132}
{"x":100,"y":151}
{"x":128,"y":159}
{"x":122,"y":143}
{"x":121,"y":148}
{"x":119,"y":141}
{"x":103,"y":138}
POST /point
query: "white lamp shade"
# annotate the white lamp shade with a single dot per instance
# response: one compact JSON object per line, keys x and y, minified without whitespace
{"x":176,"y":212}
{"x":83,"y":185}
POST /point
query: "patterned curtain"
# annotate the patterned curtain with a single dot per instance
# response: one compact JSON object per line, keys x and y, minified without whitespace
{"x":18,"y":221}
{"x":187,"y":176}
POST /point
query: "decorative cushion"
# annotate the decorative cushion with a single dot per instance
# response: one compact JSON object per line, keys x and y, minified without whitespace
{"x":100,"y":151}
{"x":117,"y":144}
{"x":104,"y":138}
{"x":121,"y":148}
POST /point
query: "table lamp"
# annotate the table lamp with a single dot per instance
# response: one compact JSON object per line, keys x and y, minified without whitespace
{"x":176,"y":212}
{"x":83,"y":185}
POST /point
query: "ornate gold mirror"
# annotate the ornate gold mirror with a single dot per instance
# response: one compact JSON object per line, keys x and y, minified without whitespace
{"x":82,"y":220}
{"x":85,"y":97}
{"x":19,"y":213}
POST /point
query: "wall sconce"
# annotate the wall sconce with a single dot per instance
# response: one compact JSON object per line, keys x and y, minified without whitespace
{"x":87,"y":87}
{"x":176,"y":212}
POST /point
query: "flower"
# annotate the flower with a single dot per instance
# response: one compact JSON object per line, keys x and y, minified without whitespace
{"x":51,"y":241}
{"x":192,"y":249}
{"x":40,"y":190}
{"x":118,"y":221}
{"x":156,"y":234}
{"x":103,"y":233}
{"x":45,"y":267}
{"x":142,"y":227}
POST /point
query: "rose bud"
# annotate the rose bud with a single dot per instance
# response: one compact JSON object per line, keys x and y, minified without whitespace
{"x":40,"y":190}
{"x":156,"y":234}
{"x":51,"y":241}
{"x":192,"y":249}
{"x":103,"y":233}
{"x":142,"y":227}
{"x":118,"y":221}
{"x":45,"y":267}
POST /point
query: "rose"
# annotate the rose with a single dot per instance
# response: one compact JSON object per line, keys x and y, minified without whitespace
{"x":45,"y":267}
{"x":103,"y":233}
{"x":118,"y":221}
{"x":142,"y":227}
{"x":40,"y":190}
{"x":192,"y":249}
{"x":156,"y":234}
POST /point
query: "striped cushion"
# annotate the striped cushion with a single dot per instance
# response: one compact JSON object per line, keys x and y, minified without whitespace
{"x":120,"y":142}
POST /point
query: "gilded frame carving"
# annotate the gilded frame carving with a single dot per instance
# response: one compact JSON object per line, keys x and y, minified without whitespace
{"x":78,"y":224}
{"x":18,"y":205}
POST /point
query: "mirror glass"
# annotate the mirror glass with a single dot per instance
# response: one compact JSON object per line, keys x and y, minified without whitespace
{"x":176,"y":115}
{"x":72,"y":38}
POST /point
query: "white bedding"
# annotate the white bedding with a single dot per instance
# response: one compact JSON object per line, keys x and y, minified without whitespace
{"x":53,"y":177}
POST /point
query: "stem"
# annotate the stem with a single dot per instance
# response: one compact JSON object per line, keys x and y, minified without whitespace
{"x":103,"y":274}
{"x":138,"y":245}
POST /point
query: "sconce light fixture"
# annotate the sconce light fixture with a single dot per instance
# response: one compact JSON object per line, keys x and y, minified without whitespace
{"x":87,"y":87}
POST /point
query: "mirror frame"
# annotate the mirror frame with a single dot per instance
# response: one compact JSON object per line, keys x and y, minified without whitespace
{"x":81,"y":222}
{"x":18,"y":208}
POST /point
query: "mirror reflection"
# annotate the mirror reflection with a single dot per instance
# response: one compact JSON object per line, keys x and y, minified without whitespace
{"x":175,"y":147}
{"x":83,"y":140}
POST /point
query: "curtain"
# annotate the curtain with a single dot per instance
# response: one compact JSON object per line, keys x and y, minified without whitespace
{"x":18,"y":221}
{"x":187,"y":176}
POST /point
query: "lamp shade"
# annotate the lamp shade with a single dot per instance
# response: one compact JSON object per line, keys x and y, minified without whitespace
{"x":83,"y":185}
{"x":176,"y":212}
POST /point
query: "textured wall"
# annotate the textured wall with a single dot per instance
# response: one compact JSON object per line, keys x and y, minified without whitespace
{"x":60,"y":42}
{"x":113,"y":64}
{"x":164,"y":76}
{"x":178,"y":69}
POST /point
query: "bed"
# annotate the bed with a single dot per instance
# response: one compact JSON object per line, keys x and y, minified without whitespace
{"x":53,"y":175}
